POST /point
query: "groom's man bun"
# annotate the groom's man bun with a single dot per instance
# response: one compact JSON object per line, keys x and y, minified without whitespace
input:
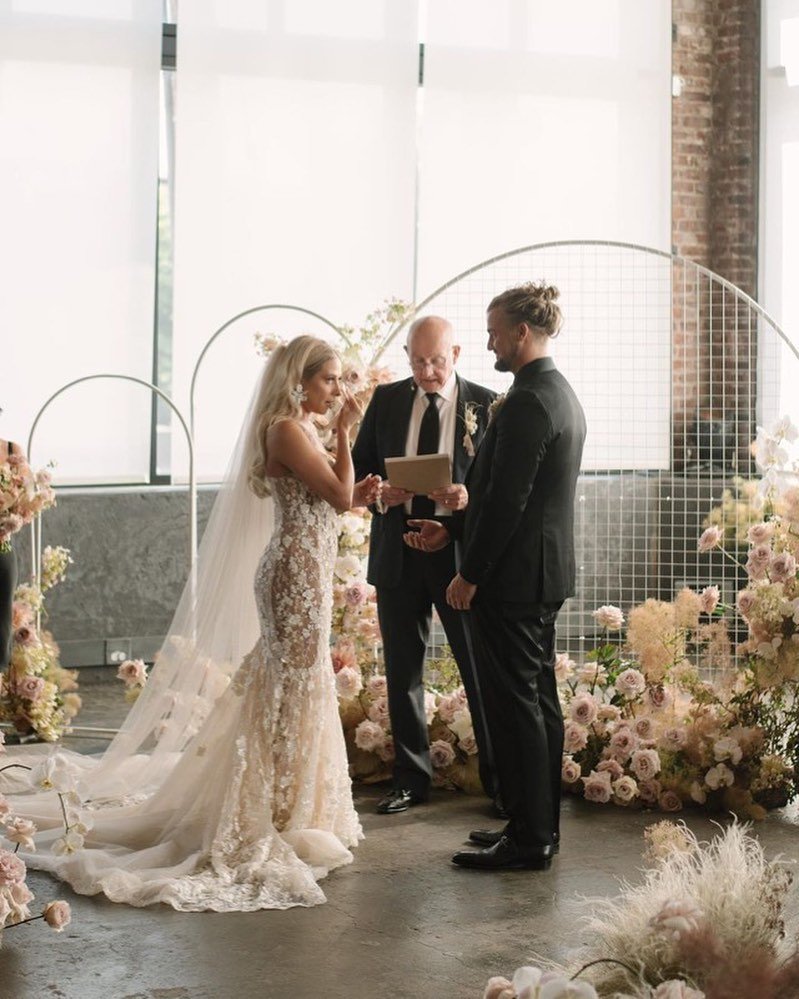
{"x":534,"y":304}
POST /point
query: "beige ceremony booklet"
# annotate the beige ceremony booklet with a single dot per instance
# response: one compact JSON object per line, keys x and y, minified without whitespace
{"x":421,"y":473}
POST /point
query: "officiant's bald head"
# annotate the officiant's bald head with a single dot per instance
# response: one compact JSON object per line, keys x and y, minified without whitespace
{"x":432,"y":352}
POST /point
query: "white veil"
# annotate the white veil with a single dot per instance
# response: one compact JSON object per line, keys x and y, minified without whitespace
{"x":214,"y":627}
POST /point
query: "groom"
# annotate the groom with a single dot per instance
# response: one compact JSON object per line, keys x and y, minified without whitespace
{"x":433,"y":411}
{"x":517,"y":569}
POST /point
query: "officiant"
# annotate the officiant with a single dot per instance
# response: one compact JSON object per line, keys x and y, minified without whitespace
{"x":435,"y":411}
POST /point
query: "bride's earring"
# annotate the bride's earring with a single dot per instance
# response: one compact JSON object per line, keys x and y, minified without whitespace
{"x":298,"y":394}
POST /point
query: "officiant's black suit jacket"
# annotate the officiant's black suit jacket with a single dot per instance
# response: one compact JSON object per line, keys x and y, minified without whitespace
{"x":517,"y":532}
{"x":382,"y":435}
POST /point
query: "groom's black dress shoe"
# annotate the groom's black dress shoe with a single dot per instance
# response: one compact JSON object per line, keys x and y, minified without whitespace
{"x":398,"y":800}
{"x":506,"y":856}
{"x":488,"y":837}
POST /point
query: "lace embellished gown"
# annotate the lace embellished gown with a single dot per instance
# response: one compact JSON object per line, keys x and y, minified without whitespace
{"x":259,"y":805}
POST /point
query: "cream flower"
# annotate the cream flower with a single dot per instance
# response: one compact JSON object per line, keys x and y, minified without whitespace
{"x":625,"y":789}
{"x":12,"y":869}
{"x":69,"y":843}
{"x":583,"y":709}
{"x":608,"y":617}
{"x":570,"y":771}
{"x":22,"y":831}
{"x":53,"y":774}
{"x":630,"y":683}
{"x":709,"y":598}
{"x":348,"y":682}
{"x":133,"y":672}
{"x":719,"y":776}
{"x":727,"y":748}
{"x":369,"y":736}
{"x":676,"y":917}
{"x":57,"y":915}
{"x":564,"y":667}
{"x":645,"y":763}
{"x":575,"y":737}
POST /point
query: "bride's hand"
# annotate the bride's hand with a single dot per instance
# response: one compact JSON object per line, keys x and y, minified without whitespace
{"x":350,"y":413}
{"x":365,"y":492}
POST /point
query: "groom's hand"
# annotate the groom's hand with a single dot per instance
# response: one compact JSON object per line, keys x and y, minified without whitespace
{"x":430,"y":536}
{"x":454,"y":497}
{"x":460,"y":593}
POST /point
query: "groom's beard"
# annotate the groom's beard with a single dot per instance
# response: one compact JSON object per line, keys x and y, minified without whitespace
{"x":502,"y":364}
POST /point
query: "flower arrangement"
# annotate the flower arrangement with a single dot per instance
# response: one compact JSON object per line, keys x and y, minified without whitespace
{"x":53,"y":773}
{"x":706,"y":923}
{"x":644,"y":723}
{"x":133,"y":673}
{"x":23,"y":494}
{"x":37,"y":695}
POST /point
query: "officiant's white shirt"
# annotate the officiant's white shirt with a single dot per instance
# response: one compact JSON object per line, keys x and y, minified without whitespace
{"x":447,"y":415}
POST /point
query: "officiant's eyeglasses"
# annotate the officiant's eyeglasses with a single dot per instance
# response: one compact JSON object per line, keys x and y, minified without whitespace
{"x":438,"y":363}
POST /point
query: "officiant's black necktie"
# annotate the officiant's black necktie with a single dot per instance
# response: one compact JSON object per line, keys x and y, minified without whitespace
{"x":429,"y":431}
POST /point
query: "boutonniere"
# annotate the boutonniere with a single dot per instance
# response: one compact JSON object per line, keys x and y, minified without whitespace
{"x":494,"y":407}
{"x":470,"y":422}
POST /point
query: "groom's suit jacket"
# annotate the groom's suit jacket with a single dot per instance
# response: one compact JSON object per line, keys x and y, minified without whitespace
{"x":517,"y":532}
{"x":382,"y":435}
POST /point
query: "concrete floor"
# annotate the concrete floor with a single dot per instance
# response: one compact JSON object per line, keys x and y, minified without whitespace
{"x":400,"y":922}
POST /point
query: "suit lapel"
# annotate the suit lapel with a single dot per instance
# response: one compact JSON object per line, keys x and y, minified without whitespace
{"x":400,"y":417}
{"x":460,"y":459}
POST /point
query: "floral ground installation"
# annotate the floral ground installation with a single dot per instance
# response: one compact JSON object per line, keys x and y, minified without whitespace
{"x":707,"y":922}
{"x":52,"y":774}
{"x":674,"y":713}
{"x":37,"y":695}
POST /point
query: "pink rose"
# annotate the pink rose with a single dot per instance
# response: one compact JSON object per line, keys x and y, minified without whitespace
{"x":658,"y":696}
{"x":356,"y":594}
{"x":622,"y":743}
{"x":608,"y":617}
{"x":450,"y":704}
{"x":597,"y":787}
{"x":25,"y":635}
{"x":649,"y":791}
{"x":12,"y":869}
{"x":708,"y":599}
{"x":441,"y":754}
{"x":386,"y":751}
{"x":630,"y":683}
{"x":583,"y":709}
{"x":369,"y":736}
{"x":611,"y":766}
{"x":378,"y":710}
{"x":570,"y":771}
{"x":625,"y":789}
{"x":575,"y":737}
{"x":57,"y":915}
{"x":674,"y":738}
{"x":782,"y":567}
{"x":670,"y":801}
{"x":22,"y":831}
{"x":710,"y":538}
{"x":342,"y":654}
{"x":645,"y":763}
{"x":468,"y":744}
{"x":609,"y":713}
{"x":564,"y":667}
{"x":759,"y":534}
{"x":644,"y":728}
{"x":30,"y":687}
{"x":377,"y":686}
{"x":745,"y":602}
{"x":348,"y":682}
{"x":21,"y":614}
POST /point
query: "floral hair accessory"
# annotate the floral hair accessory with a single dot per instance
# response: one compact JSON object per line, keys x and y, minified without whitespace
{"x":298,"y":394}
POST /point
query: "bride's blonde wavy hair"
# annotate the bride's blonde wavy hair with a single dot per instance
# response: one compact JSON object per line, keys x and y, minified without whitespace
{"x":288,"y":367}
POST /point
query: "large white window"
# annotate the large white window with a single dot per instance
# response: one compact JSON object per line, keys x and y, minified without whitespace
{"x":779,"y":202}
{"x":78,"y":169}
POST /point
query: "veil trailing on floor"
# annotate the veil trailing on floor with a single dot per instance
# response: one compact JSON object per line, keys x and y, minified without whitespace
{"x":214,"y":627}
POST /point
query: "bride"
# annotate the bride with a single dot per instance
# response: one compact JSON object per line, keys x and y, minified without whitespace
{"x":227,"y":787}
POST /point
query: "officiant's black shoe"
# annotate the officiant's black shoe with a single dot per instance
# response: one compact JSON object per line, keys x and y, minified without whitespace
{"x":506,"y":856}
{"x":399,"y":799}
{"x":488,"y":837}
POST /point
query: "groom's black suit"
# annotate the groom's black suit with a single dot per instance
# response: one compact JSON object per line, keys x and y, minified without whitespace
{"x":518,"y":547}
{"x":409,"y":583}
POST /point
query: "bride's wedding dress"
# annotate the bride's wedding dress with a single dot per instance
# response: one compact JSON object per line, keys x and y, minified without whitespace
{"x":256,"y":805}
